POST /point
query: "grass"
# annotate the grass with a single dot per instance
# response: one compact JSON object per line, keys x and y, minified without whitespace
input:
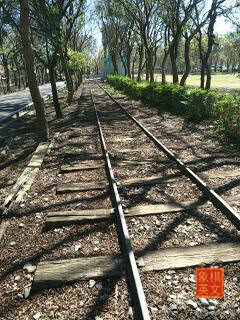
{"x":219,"y":80}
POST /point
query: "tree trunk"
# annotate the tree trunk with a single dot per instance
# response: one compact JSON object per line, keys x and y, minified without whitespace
{"x":42,"y":125}
{"x":173,"y":63}
{"x":54,"y":92}
{"x":68,"y":77}
{"x":209,"y":77}
{"x":163,"y":66}
{"x":147,"y":69}
{"x":140,"y":63}
{"x":128,"y":64}
{"x":114,"y":62}
{"x":6,"y":73}
{"x":133,"y":66}
{"x":150,"y":64}
{"x":187,"y":62}
{"x":202,"y":82}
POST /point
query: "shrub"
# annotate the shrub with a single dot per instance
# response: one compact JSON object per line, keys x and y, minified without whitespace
{"x":200,"y":104}
{"x":195,"y":104}
{"x":228,"y":111}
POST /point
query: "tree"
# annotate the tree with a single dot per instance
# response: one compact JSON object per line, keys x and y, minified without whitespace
{"x":205,"y":50}
{"x":24,"y":29}
{"x":21,"y":22}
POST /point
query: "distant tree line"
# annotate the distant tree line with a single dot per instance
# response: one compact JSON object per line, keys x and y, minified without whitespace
{"x":177,"y":36}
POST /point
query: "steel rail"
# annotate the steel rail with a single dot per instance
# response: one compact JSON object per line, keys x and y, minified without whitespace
{"x":216,"y":199}
{"x":140,"y":309}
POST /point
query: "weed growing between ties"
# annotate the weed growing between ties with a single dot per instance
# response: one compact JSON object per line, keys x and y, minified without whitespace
{"x":193,"y":103}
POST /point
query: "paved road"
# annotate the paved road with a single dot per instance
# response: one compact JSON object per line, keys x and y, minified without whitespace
{"x":12,"y":102}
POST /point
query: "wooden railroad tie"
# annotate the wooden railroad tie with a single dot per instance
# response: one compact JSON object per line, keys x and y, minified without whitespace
{"x":62,"y":218}
{"x":3,"y":227}
{"x":221,"y":174}
{"x":79,"y":186}
{"x":89,"y":165}
{"x":51,"y":274}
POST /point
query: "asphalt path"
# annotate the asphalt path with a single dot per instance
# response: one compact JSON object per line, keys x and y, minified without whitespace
{"x":14,"y":102}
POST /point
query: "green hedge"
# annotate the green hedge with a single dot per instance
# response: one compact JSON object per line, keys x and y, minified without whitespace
{"x":193,"y":103}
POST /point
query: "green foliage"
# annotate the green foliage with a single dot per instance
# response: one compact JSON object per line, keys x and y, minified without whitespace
{"x":193,"y":103}
{"x":228,"y":122}
{"x":78,"y":61}
{"x":201,"y":104}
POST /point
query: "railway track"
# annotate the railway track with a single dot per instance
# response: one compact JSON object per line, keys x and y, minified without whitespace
{"x":138,"y":171}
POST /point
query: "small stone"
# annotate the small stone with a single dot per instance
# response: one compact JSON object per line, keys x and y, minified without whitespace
{"x":171,"y":272}
{"x":27,"y":290}
{"x":92,"y":283}
{"x":153,"y":309}
{"x":192,"y":280}
{"x":80,"y":303}
{"x":167,"y":277}
{"x":173,"y":296}
{"x":213,"y":302}
{"x":17,"y":278}
{"x":14,"y":286}
{"x":37,"y":316}
{"x":95,"y":249}
{"x":211,"y":308}
{"x":130,"y":312}
{"x":204,"y":301}
{"x":96,"y":242}
{"x":192,"y":244}
{"x":235,"y":279}
{"x":192,"y":304}
{"x":21,"y":225}
{"x":141,"y":228}
{"x":12,"y":243}
{"x":173,"y":307}
{"x":98,"y":318}
{"x":188,"y":222}
{"x":20,"y":296}
{"x":77,"y":247}
{"x":29,"y":267}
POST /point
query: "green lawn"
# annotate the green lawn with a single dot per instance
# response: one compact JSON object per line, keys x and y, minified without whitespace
{"x":218,"y":80}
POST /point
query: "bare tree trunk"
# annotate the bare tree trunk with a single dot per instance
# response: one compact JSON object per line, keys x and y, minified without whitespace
{"x":187,"y":62}
{"x":114,"y":62}
{"x":68,"y":77}
{"x":147,"y":69}
{"x":133,"y":66}
{"x":150,"y":64}
{"x":163,"y":66}
{"x":6,"y":73}
{"x":140,"y":63}
{"x":174,"y":63}
{"x":128,"y":63}
{"x":209,"y":77}
{"x":42,"y":126}
{"x":54,"y":92}
{"x":202,"y":81}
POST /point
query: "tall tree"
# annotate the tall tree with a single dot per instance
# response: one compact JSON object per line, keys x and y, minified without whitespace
{"x":24,"y":29}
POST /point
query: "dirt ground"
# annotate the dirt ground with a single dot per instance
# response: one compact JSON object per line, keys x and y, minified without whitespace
{"x":170,"y":294}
